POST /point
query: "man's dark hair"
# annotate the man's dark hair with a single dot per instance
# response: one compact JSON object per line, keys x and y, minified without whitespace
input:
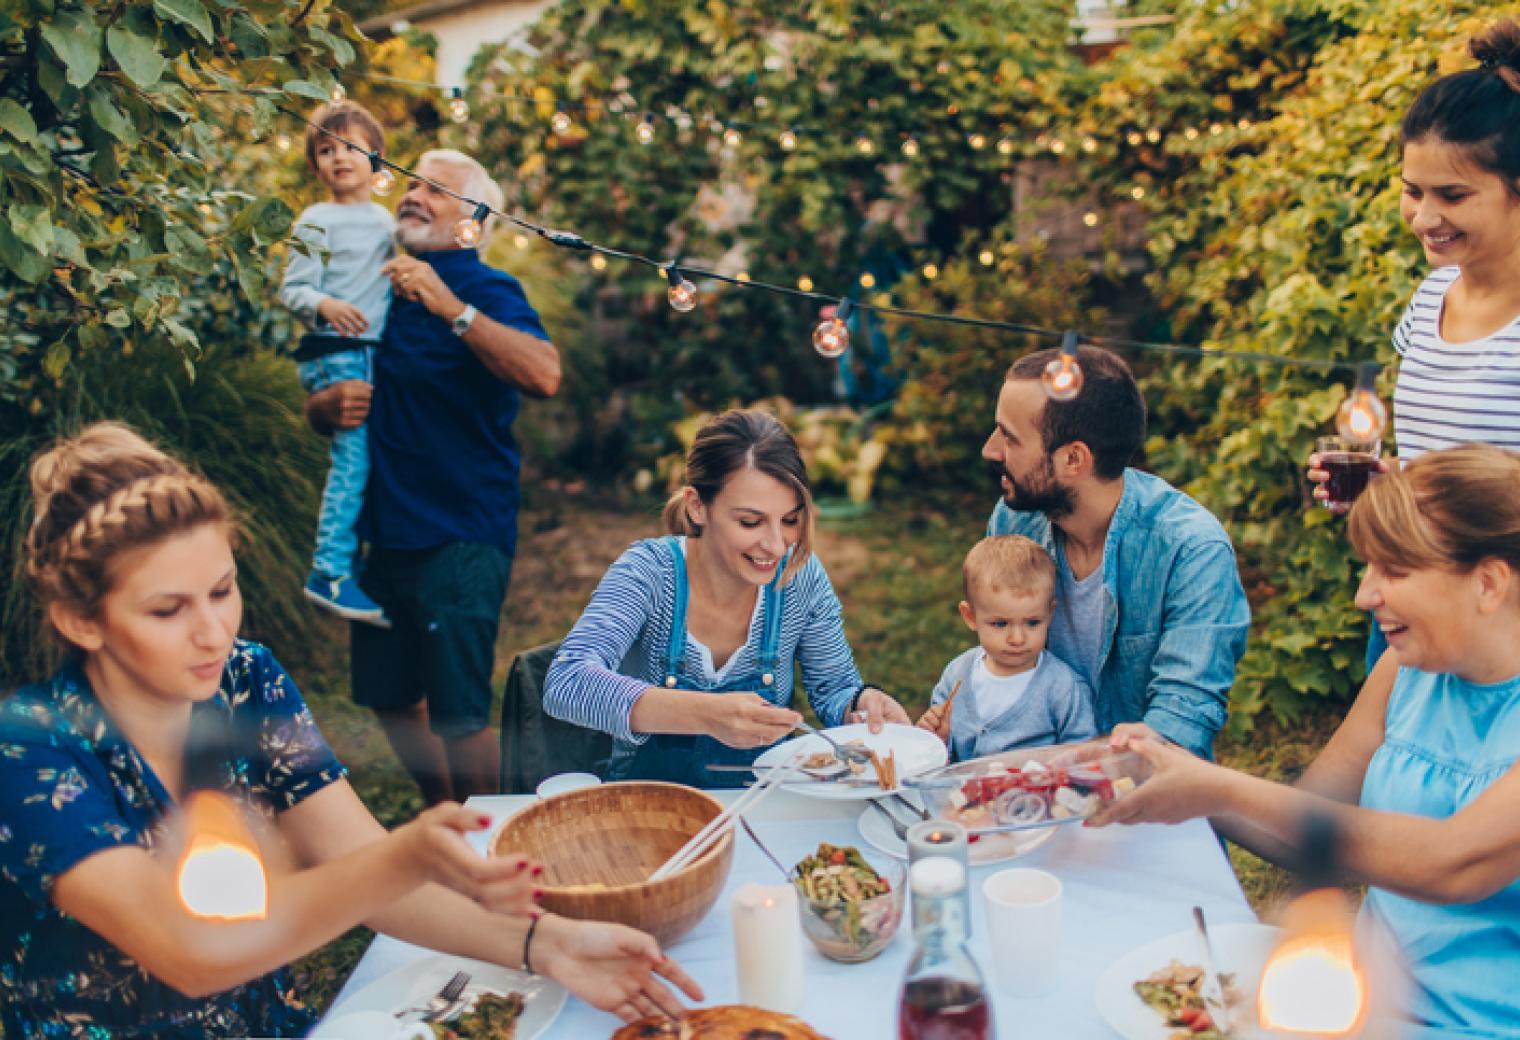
{"x":1108,"y":415}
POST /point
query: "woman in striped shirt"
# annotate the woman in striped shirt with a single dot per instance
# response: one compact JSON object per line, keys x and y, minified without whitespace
{"x":1459,"y":339}
{"x":685,"y":651}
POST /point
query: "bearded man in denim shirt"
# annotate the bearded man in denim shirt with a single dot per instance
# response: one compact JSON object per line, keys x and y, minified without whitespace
{"x":1150,"y":610}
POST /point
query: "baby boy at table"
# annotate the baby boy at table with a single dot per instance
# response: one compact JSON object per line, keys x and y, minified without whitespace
{"x":1009,"y":691}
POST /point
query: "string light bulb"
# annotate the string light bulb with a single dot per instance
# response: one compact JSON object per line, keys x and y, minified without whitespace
{"x":732,"y":137}
{"x":338,"y":93}
{"x":282,"y":142}
{"x":1058,"y":146}
{"x":598,"y":262}
{"x":788,"y":140}
{"x":1137,"y":192}
{"x":931,"y":271}
{"x":910,"y":146}
{"x":644,"y":131}
{"x":560,"y":121}
{"x":805,"y":284}
{"x":977,"y":141}
{"x":459,"y":108}
{"x":1191,"y":133}
{"x":1090,"y":219}
{"x":986,"y":257}
{"x":468,"y":231}
{"x":1362,"y":418}
{"x":867,"y":280}
{"x":832,"y":336}
{"x":520,"y":240}
{"x":1005,"y":146}
{"x":742,"y":276}
{"x":1089,"y":144}
{"x":1153,"y":135}
{"x":381,"y":180}
{"x":681,"y":293}
{"x":864,"y":145}
{"x":1133,"y":138}
{"x":1063,"y":376}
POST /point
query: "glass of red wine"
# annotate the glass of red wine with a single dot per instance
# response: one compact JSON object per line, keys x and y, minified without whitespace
{"x":1349,"y":465}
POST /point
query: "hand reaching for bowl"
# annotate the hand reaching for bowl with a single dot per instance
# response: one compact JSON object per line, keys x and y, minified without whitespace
{"x":611,"y":967}
{"x":746,"y":720}
{"x":1181,"y":786}
{"x":437,"y":850}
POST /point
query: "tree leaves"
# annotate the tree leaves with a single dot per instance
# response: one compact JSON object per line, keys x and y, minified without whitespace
{"x":189,"y":13}
{"x":136,"y":55}
{"x":74,"y":39}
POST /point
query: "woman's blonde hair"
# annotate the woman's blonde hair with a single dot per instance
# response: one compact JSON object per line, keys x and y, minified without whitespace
{"x":98,"y":494}
{"x":1450,"y":509}
{"x":737,"y":440}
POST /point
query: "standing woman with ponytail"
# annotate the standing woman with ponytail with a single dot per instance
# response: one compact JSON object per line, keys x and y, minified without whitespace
{"x":1459,"y":339}
{"x":685,"y":651}
{"x":131,"y":555}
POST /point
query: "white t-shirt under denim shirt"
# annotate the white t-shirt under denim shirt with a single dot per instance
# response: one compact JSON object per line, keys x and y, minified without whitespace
{"x":358,"y":239}
{"x":1453,"y":393}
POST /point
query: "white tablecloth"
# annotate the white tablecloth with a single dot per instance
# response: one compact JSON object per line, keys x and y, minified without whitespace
{"x":1124,"y":886}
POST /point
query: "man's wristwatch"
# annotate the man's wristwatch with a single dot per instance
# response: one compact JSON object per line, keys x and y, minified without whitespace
{"x":461,"y":324}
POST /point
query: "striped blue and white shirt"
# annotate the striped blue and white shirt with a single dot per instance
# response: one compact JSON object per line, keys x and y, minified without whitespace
{"x":616,"y":650}
{"x":1453,"y":393}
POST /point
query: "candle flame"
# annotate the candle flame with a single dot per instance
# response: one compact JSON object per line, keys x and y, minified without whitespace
{"x":1312,"y":984}
{"x":221,"y":874}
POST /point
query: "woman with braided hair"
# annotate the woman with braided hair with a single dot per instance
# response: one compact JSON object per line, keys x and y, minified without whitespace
{"x":131,"y":555}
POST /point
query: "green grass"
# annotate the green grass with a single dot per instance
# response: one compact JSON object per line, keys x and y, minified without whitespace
{"x":897,"y":572}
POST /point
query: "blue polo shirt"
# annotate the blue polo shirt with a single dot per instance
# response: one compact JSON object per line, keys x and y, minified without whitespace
{"x":443,"y":461}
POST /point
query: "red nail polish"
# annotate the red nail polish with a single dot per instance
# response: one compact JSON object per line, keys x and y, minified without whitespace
{"x":483,"y":820}
{"x":538,"y":894}
{"x":522,"y":865}
{"x":538,"y":871}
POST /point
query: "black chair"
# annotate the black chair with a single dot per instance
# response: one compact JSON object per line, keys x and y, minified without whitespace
{"x":535,"y":745}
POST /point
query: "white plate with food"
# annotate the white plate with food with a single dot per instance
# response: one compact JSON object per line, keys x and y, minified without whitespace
{"x":489,"y":995}
{"x":988,"y":848}
{"x":912,"y":751}
{"x":1240,"y":952}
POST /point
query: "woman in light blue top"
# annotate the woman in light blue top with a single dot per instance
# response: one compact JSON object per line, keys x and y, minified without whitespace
{"x":685,"y":652}
{"x":1420,"y":778}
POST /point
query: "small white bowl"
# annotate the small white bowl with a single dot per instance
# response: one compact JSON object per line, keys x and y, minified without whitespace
{"x":562,"y":782}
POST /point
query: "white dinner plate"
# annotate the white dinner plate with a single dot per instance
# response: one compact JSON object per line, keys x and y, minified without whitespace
{"x":412,"y":984}
{"x":917,"y":751}
{"x":1241,"y":949}
{"x":992,"y":848}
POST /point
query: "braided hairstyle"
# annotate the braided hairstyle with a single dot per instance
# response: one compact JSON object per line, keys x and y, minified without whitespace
{"x":1478,"y":109}
{"x":98,"y":494}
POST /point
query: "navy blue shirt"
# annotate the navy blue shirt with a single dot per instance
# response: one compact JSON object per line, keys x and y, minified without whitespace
{"x":443,"y":459}
{"x":71,"y":785}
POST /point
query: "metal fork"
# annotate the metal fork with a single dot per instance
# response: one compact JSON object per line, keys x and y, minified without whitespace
{"x":446,"y":998}
{"x":898,"y":828}
{"x":844,"y":754}
{"x":922,"y":814}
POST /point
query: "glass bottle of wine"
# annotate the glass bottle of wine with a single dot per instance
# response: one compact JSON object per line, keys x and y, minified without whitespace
{"x":943,"y":996}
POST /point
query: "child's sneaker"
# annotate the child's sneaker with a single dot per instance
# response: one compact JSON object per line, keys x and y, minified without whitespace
{"x":343,"y":596}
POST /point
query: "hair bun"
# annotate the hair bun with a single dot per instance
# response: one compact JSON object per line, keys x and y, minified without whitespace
{"x":1498,"y":47}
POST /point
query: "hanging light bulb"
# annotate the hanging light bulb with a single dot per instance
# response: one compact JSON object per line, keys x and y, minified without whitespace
{"x":1005,"y":146}
{"x":1058,"y":146}
{"x":732,"y":137}
{"x":1137,"y":192}
{"x":1362,"y":417}
{"x":805,"y":284}
{"x":459,"y":109}
{"x":1089,"y":144}
{"x":788,"y":140}
{"x":1153,"y":135}
{"x":560,"y":121}
{"x":977,"y":141}
{"x":1191,"y":133}
{"x":1063,"y":376}
{"x":381,"y":180}
{"x":931,"y":271}
{"x":1216,"y":129}
{"x":220,"y":873}
{"x":338,"y":93}
{"x":1243,"y":123}
{"x":832,"y":336}
{"x":644,"y":131}
{"x":864,"y":145}
{"x":598,"y":262}
{"x":742,"y":276}
{"x":986,"y":257}
{"x":681,"y":293}
{"x":910,"y":146}
{"x":1090,"y":219}
{"x":282,"y":142}
{"x":1133,"y":138}
{"x":867,"y":280}
{"x":520,"y":240}
{"x":468,"y":231}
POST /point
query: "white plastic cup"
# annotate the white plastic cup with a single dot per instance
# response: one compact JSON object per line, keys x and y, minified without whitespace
{"x":559,"y":783}
{"x":370,"y":1025}
{"x":1024,"y":930}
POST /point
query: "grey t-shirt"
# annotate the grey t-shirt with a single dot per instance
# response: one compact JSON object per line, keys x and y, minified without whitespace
{"x":1076,"y":630}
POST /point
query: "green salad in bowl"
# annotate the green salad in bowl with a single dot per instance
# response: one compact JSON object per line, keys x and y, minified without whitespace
{"x":850,"y":907}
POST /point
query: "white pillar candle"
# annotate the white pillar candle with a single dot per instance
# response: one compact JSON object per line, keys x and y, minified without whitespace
{"x":768,"y":946}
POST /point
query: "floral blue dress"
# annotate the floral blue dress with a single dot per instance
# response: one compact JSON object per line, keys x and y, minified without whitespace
{"x":71,"y":786}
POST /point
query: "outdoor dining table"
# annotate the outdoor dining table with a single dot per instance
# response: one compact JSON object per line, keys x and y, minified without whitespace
{"x":1123,"y":887}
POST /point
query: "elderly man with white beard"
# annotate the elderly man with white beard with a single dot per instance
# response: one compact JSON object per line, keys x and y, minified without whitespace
{"x":461,"y":345}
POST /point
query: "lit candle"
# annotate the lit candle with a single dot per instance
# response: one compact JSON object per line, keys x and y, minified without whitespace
{"x":221,"y":874}
{"x":942,"y":838}
{"x":768,"y":946}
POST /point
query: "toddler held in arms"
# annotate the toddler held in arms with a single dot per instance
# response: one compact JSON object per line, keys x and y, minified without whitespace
{"x":1008,"y":691}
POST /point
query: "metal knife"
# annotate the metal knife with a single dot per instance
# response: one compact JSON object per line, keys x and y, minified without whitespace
{"x":1211,"y":988}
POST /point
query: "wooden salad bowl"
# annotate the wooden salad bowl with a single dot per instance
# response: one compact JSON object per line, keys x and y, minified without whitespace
{"x":598,"y":846}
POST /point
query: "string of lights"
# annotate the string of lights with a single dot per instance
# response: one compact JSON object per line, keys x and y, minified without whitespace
{"x":1362,"y":416}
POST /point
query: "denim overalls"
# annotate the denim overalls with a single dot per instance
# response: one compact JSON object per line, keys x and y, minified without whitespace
{"x":682,"y":758}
